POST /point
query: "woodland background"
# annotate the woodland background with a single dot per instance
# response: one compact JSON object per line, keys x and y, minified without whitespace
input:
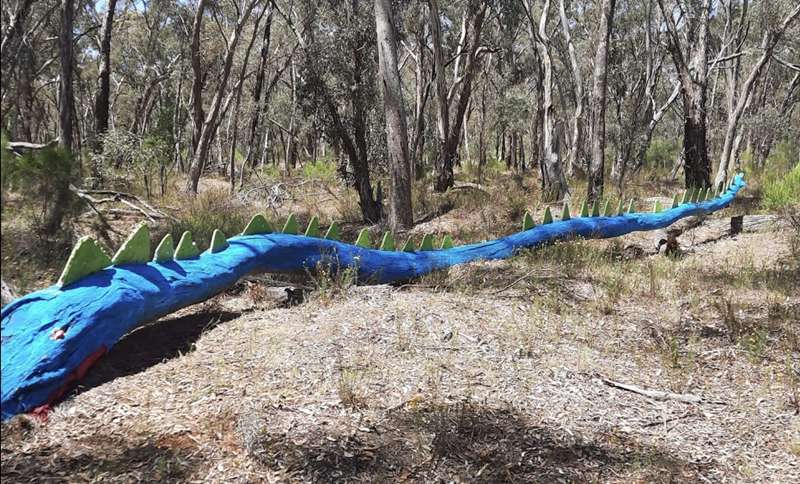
{"x":567,"y":91}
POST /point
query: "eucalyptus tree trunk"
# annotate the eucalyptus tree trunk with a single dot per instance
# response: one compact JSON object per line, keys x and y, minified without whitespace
{"x":371,"y":203}
{"x":440,"y":91}
{"x":101,"y":101}
{"x":237,"y":102}
{"x":197,"y":70}
{"x":11,"y":35}
{"x":691,"y":62}
{"x":422,"y":93}
{"x":257,"y":90}
{"x":554,"y":185}
{"x":599,"y":88}
{"x":65,"y":92}
{"x":577,"y":81}
{"x":449,"y":135}
{"x":400,"y":210}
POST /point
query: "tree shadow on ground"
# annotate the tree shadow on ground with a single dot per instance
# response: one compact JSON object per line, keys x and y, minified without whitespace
{"x":150,"y":345}
{"x":100,"y":459}
{"x":462,"y":443}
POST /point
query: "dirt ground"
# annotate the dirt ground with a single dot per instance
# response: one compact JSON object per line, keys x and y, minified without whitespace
{"x":504,"y":371}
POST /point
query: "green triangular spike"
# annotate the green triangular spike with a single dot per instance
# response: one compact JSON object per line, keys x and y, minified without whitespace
{"x":332,"y":232}
{"x":565,"y":212}
{"x":136,"y":248}
{"x":363,"y":238}
{"x":548,"y":216}
{"x":86,"y":258}
{"x":218,"y":242}
{"x":675,"y":201}
{"x":709,"y":193}
{"x":186,"y":247}
{"x":165,"y":249}
{"x":657,"y":206}
{"x":703,"y":195}
{"x":257,"y":225}
{"x":409,"y":246}
{"x":388,"y":242}
{"x":427,"y":242}
{"x":447,"y":242}
{"x":631,"y":207}
{"x":584,"y":209}
{"x":621,"y":207}
{"x":291,"y":227}
{"x":607,"y":209}
{"x":595,"y":209}
{"x":527,"y":222}
{"x":313,"y":227}
{"x":686,"y":195}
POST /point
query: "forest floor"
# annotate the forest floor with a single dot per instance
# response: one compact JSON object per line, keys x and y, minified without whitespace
{"x":507,"y":371}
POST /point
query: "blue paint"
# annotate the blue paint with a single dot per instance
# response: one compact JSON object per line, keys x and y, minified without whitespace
{"x":101,"y":308}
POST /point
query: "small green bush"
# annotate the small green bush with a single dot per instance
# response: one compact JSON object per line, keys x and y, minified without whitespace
{"x":662,"y":152}
{"x":42,"y":177}
{"x":321,"y":170}
{"x":782,"y":192}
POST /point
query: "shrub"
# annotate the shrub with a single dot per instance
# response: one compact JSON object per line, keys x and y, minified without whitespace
{"x":321,"y":170}
{"x":42,"y":177}
{"x":782,"y":192}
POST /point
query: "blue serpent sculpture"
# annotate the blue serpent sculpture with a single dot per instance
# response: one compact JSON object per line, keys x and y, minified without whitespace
{"x":50,"y":337}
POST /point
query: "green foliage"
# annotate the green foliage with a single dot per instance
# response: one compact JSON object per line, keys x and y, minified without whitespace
{"x":324,"y":170}
{"x":42,"y":178}
{"x":782,"y":192}
{"x":662,"y":152}
{"x":146,"y":158}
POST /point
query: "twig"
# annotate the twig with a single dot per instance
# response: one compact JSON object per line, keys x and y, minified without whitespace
{"x":530,"y":273}
{"x":668,"y":420}
{"x":656,"y":394}
{"x":142,"y":211}
{"x":103,"y":220}
{"x":120,"y":195}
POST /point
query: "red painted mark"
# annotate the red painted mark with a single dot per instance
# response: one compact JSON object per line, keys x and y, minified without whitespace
{"x":42,"y":411}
